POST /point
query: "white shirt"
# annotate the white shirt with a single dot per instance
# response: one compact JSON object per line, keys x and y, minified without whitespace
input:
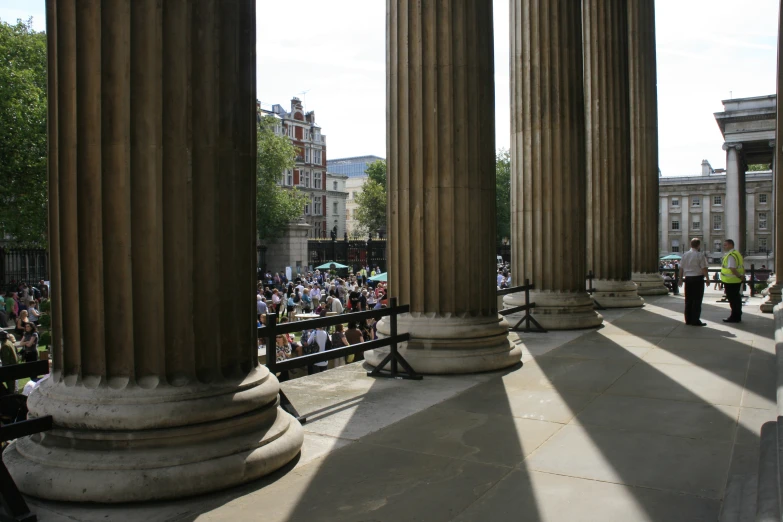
{"x":337,"y":306}
{"x":692,"y":263}
{"x":319,"y":336}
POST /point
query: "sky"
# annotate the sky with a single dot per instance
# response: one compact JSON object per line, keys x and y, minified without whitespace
{"x":331,"y":54}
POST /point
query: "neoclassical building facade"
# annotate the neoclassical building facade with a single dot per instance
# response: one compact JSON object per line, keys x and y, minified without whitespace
{"x":695,"y":207}
{"x":154,"y":102}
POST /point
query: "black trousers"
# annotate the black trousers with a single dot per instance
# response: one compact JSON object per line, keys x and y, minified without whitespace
{"x":694,"y":293}
{"x":735,"y":300}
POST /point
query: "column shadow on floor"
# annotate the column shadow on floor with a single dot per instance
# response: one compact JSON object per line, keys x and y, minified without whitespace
{"x":587,"y":428}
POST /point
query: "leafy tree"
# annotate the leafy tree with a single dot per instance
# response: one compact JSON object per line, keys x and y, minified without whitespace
{"x":503,"y":193}
{"x":376,"y":171}
{"x":372,"y":202}
{"x":23,"y":176}
{"x":276,"y":206}
{"x":759,"y":167}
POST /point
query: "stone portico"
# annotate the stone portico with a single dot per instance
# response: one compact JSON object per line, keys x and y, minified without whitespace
{"x":152,"y":152}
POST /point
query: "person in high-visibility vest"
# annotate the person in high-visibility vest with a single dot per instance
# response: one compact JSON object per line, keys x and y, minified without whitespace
{"x":732,"y":275}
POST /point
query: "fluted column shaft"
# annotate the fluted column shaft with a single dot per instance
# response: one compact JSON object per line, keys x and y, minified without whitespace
{"x":152,"y":148}
{"x":608,"y":151}
{"x":548,"y":161}
{"x":441,"y":157}
{"x":643,"y":101}
{"x":734,"y":215}
{"x":775,"y":293}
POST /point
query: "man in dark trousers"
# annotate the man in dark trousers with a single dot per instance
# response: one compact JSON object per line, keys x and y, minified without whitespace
{"x":732,"y":275}
{"x":695,"y":276}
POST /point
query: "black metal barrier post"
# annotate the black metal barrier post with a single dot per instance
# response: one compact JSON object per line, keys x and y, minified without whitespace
{"x":752,"y":280}
{"x":11,"y":497}
{"x":271,"y":364}
{"x":394,"y":356}
{"x":527,"y":307}
{"x":272,"y":330}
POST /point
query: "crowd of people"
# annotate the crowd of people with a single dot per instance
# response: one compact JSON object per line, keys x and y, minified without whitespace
{"x":319,"y":294}
{"x":19,"y":317}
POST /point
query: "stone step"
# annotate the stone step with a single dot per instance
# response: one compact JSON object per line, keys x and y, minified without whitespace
{"x":739,"y":502}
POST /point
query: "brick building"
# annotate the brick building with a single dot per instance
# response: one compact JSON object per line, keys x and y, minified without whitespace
{"x":309,"y":172}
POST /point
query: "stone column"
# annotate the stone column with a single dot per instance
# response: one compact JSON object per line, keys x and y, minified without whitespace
{"x":441,"y":157}
{"x":706,"y":224}
{"x":734,"y":215}
{"x":156,"y":390}
{"x":548,"y":163}
{"x":664,"y":225}
{"x":607,"y":88}
{"x":775,"y":292}
{"x":644,"y":147}
{"x":750,"y":222}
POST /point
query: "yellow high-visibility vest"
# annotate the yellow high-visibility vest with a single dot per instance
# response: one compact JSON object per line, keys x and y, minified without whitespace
{"x":726,"y":275}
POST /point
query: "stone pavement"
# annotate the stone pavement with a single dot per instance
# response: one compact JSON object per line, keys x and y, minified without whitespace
{"x":644,"y":419}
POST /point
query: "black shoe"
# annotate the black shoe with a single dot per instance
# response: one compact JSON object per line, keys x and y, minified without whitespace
{"x":699,"y":324}
{"x":730,"y":320}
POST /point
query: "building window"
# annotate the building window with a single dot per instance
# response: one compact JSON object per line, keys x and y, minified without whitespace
{"x":695,"y":201}
{"x":696,"y":223}
{"x":675,"y":224}
{"x":306,"y":179}
{"x":353,"y":195}
{"x":317,"y":156}
{"x":317,"y":179}
{"x":717,"y":245}
{"x":717,"y":200}
{"x":307,"y":154}
{"x":289,"y":178}
{"x":307,"y":208}
{"x":762,"y":221}
{"x":291,"y":132}
{"x":763,"y":199}
{"x":717,"y":222}
{"x":675,"y":202}
{"x":762,"y":244}
{"x":334,"y":208}
{"x":317,"y":206}
{"x":675,"y":245}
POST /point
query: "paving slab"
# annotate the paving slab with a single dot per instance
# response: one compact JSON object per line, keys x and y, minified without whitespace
{"x":716,"y":353}
{"x":495,"y":397}
{"x":689,"y":466}
{"x":491,"y":439}
{"x":683,"y":382}
{"x":525,"y":496}
{"x":678,"y":418}
{"x":365,"y":482}
{"x":569,"y":374}
{"x":604,"y":350}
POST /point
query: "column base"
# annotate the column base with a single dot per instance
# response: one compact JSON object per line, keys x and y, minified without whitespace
{"x":649,"y":284}
{"x":180,"y":457}
{"x":558,"y":310}
{"x":616,"y":294}
{"x":774,"y":297}
{"x":451,"y":345}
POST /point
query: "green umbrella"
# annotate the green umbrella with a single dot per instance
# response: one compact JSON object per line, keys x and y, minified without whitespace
{"x":379,"y":277}
{"x":328,"y":265}
{"x":671,"y":257}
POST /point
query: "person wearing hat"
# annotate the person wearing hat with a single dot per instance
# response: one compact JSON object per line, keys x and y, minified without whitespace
{"x":8,"y":357}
